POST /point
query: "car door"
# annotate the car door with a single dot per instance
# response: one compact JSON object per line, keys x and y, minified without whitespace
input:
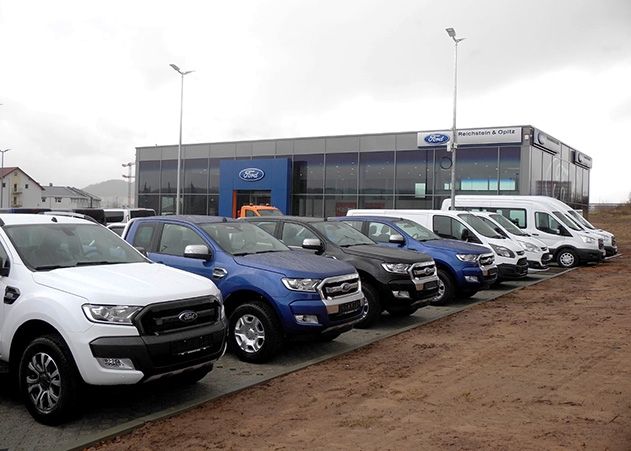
{"x":10,"y":292}
{"x":549,"y":230}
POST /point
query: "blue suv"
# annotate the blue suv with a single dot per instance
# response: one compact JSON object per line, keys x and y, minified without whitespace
{"x":463,"y":268}
{"x":270,"y":292}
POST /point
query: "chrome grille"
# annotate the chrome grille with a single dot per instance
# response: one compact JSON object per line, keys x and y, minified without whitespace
{"x":335,"y":287}
{"x":601,"y":243}
{"x":521,"y":252}
{"x":486,"y":259}
{"x":420,"y":270}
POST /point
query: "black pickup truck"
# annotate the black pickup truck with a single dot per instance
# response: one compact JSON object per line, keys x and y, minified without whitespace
{"x":396,"y":280}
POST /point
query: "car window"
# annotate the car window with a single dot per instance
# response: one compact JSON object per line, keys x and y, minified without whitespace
{"x":295,"y":234}
{"x":268,"y":226}
{"x":114,"y":216}
{"x":249,"y":213}
{"x":380,"y":232}
{"x":357,"y":225}
{"x":241,"y":238}
{"x":4,"y":257}
{"x":176,"y":237}
{"x":447,"y":227}
{"x":143,"y":236}
{"x":546,"y":223}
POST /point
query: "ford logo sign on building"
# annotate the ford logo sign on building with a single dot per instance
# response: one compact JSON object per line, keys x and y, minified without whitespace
{"x":251,"y":174}
{"x":436,"y":138}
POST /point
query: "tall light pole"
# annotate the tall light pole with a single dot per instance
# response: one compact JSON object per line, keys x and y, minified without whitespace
{"x":454,"y":143}
{"x":128,"y":177}
{"x":179,"y":146}
{"x":2,"y":180}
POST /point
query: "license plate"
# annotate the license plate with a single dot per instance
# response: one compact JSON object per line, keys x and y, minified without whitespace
{"x":191,"y":345}
{"x":348,"y":307}
{"x":431,"y":285}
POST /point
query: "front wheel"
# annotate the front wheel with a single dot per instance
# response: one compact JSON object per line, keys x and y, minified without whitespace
{"x":49,"y":381}
{"x":373,"y":305}
{"x":567,"y":258}
{"x":255,"y":333}
{"x":446,"y":288}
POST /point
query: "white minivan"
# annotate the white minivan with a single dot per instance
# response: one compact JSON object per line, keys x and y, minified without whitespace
{"x":568,"y":244}
{"x":458,"y":225}
{"x":123,"y":215}
{"x":537,"y":252}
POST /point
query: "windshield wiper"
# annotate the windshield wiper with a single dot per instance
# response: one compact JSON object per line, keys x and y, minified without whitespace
{"x":264,"y":252}
{"x":50,"y":267}
{"x":94,"y":263}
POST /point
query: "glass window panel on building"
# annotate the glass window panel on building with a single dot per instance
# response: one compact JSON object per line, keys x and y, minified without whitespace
{"x":146,"y":201}
{"x":376,"y":202}
{"x":546,"y":174}
{"x":213,"y":205}
{"x":442,"y":172}
{"x":308,"y":174}
{"x":213,"y":175}
{"x":376,"y":172}
{"x":167,"y":205}
{"x":536,"y":155}
{"x":195,"y":204}
{"x":564,"y":192}
{"x":408,"y":202}
{"x":585,"y":199}
{"x":578,"y":188}
{"x":307,"y":206}
{"x":148,"y":177}
{"x":169,"y":176}
{"x":510,"y":159}
{"x":572,"y":183}
{"x":341,"y":173}
{"x":195,"y":176}
{"x":338,"y":205}
{"x":476,"y":170}
{"x":414,"y":172}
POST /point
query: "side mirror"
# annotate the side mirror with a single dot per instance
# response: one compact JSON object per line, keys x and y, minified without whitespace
{"x":198,"y":251}
{"x":397,"y":239}
{"x":312,"y":244}
{"x":142,"y":250}
{"x":464,"y":236}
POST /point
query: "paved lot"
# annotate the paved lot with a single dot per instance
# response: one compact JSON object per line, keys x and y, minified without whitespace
{"x":111,"y":410}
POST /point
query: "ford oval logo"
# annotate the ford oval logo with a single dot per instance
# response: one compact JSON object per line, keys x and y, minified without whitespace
{"x":436,"y":138}
{"x":187,"y":316}
{"x":251,"y":174}
{"x":346,"y":287}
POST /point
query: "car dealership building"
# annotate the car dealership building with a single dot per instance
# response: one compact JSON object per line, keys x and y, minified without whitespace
{"x":325,"y":176}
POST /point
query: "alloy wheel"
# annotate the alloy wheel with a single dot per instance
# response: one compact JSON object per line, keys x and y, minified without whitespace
{"x":43,"y":382}
{"x":249,"y":333}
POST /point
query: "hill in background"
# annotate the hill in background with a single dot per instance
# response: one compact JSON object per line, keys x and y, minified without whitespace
{"x":113,"y":193}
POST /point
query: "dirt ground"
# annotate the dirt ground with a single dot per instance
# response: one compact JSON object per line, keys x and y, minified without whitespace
{"x":547,"y":367}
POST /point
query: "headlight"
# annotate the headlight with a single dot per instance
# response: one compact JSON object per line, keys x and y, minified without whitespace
{"x":588,"y":239}
{"x":397,"y":268}
{"x":528,"y":247}
{"x":301,"y":284}
{"x":503,"y":251}
{"x":110,"y":314}
{"x":471,"y":258}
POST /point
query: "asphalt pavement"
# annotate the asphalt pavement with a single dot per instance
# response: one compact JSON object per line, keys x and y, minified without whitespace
{"x":107,"y":412}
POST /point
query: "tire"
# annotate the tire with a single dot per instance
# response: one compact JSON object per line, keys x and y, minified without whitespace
{"x":446,"y":288}
{"x":255,"y":332}
{"x":49,"y":381}
{"x":467,"y":294}
{"x":328,"y":336}
{"x":193,"y":376}
{"x":374,"y":306}
{"x":567,"y":258}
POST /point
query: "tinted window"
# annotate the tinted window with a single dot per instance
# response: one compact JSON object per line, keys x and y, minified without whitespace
{"x":175,"y":238}
{"x":295,"y":234}
{"x":412,"y":176}
{"x":341,"y":173}
{"x":148,"y":177}
{"x":241,"y":238}
{"x":341,"y":234}
{"x":479,"y":225}
{"x":567,"y":221}
{"x":137,"y":213}
{"x":376,"y":172}
{"x":380,"y":232}
{"x":357,"y":225}
{"x":195,"y":175}
{"x":308,"y":174}
{"x":447,"y":227}
{"x":4,"y":257}
{"x":269,"y":227}
{"x":415,"y":230}
{"x":114,"y":216}
{"x":546,"y":223}
{"x":508,"y":224}
{"x":143,"y":236}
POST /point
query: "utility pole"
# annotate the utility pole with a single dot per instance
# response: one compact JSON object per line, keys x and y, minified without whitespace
{"x":129,"y":178}
{"x":2,"y":181}
{"x":454,"y":143}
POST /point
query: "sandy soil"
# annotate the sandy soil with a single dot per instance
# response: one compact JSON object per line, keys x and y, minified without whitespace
{"x":548,"y":367}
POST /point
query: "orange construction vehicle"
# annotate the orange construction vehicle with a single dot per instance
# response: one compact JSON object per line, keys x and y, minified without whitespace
{"x":248,"y":211}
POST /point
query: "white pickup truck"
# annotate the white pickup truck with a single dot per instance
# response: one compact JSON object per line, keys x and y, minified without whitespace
{"x":80,"y":305}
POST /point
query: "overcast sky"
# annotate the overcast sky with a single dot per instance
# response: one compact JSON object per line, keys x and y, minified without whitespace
{"x":83,"y":83}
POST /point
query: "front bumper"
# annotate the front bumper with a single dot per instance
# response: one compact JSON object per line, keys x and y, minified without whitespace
{"x":418,"y":292}
{"x":510,"y":271}
{"x":611,"y":250}
{"x":164,"y":355}
{"x":589,"y":255}
{"x":542,"y":264}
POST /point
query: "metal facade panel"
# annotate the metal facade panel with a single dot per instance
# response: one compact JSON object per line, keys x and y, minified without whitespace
{"x":148,"y":153}
{"x":372,"y":143}
{"x":264,"y":148}
{"x":170,"y":153}
{"x":244,"y":149}
{"x":223,"y":150}
{"x":196,"y":151}
{"x":342,"y":144}
{"x":285,"y":147}
{"x":406,"y":141}
{"x":309,"y":145}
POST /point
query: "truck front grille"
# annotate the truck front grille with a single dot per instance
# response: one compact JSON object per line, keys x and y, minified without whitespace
{"x":487,"y":259}
{"x":174,"y":316}
{"x":420,"y":270}
{"x":335,"y":287}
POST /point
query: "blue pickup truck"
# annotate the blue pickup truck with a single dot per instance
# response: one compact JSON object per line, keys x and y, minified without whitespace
{"x":270,"y":292}
{"x":463,"y":268}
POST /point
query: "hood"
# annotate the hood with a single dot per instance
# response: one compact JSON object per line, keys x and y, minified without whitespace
{"x":460,"y":247}
{"x":130,"y":283}
{"x":387,"y":254}
{"x":299,"y":264}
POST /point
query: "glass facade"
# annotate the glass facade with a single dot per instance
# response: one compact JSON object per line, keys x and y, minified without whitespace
{"x":331,"y":180}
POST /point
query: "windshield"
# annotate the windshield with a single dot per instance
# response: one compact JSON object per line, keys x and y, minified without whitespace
{"x":416,"y":231}
{"x":141,"y":213}
{"x":567,"y":221}
{"x":493,"y":225}
{"x":51,"y":246}
{"x":342,"y":234}
{"x":241,"y":238}
{"x":269,"y":212}
{"x":479,"y":226}
{"x":508,"y":225}
{"x":581,"y":220}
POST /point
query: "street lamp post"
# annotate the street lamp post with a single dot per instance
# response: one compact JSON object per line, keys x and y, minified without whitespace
{"x":2,"y":180}
{"x":179,"y":146}
{"x":128,"y":177}
{"x":454,"y":140}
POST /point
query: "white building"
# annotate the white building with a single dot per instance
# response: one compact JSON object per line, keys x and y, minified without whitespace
{"x":67,"y":197}
{"x":19,"y":189}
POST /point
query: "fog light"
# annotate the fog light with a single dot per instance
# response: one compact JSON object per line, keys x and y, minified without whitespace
{"x":115,"y":364}
{"x":306,"y":319}
{"x":472,"y":279}
{"x":401,"y":294}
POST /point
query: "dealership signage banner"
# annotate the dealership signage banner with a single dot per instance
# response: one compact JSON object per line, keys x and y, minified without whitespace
{"x":497,"y":135}
{"x":582,"y":160}
{"x":546,"y":142}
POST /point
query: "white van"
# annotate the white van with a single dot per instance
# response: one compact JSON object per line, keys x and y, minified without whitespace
{"x":569,"y":245}
{"x":537,"y":252}
{"x":125,"y":214}
{"x":458,"y":225}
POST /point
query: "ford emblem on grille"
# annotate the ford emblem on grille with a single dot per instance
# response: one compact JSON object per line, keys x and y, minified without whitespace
{"x":187,"y":316}
{"x":429,"y":270}
{"x":346,"y":287}
{"x":251,"y":174}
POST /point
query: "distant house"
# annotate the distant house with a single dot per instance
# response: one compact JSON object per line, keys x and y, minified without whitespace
{"x":67,"y":197}
{"x":19,"y":189}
